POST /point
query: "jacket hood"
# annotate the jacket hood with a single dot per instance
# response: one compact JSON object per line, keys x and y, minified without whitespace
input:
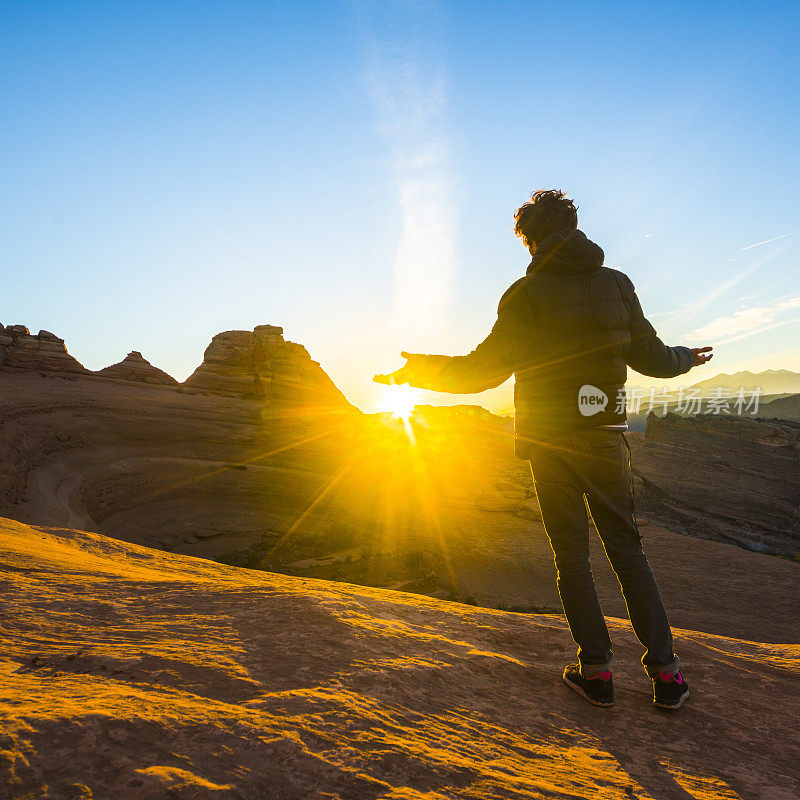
{"x":567,"y":252}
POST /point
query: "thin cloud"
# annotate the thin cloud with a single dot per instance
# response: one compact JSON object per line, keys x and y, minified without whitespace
{"x":706,"y":301}
{"x":744,"y":321}
{"x":762,"y":329}
{"x":408,"y":90}
{"x":767,"y":241}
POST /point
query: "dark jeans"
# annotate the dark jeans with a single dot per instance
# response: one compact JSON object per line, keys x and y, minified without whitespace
{"x":592,"y":467}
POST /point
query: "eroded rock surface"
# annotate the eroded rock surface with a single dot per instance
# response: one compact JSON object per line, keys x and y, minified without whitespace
{"x":722,"y":477}
{"x":130,"y":673}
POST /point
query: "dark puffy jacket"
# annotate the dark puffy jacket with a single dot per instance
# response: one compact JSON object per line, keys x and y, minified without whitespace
{"x":569,"y":328}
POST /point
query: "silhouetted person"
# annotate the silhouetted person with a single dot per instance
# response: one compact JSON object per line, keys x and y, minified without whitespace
{"x":568,"y":330}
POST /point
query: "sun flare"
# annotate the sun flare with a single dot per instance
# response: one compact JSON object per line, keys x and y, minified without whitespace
{"x":399,"y":400}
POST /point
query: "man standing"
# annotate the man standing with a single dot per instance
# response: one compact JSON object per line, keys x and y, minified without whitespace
{"x":568,"y":330}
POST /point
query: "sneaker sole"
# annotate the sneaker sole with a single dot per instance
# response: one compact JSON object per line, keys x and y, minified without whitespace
{"x":675,"y":706}
{"x":582,"y":693}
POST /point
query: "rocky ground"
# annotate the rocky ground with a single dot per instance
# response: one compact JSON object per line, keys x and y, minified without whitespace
{"x":209,"y":475}
{"x":147,"y":463}
{"x":132,"y":673}
{"x":129,"y":452}
{"x":149,"y":673}
{"x":259,"y":461}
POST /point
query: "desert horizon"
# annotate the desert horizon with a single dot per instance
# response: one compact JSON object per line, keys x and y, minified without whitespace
{"x":769,"y":384}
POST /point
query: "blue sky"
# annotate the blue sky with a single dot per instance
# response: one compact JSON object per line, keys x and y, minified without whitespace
{"x":350,"y":171}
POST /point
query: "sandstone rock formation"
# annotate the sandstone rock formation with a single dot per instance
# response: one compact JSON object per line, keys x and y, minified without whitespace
{"x":134,"y":674}
{"x":19,"y":349}
{"x":722,"y":477}
{"x":257,"y":364}
{"x":350,"y":497}
{"x":209,"y":471}
{"x":261,"y":364}
{"x":134,"y":367}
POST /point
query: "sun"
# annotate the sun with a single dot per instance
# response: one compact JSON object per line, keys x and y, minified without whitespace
{"x":399,"y":400}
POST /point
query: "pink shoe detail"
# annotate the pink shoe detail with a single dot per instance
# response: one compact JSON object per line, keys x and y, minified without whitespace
{"x":603,"y":676}
{"x":671,"y":676}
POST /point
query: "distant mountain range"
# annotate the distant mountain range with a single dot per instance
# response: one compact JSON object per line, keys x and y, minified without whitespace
{"x":771,"y":381}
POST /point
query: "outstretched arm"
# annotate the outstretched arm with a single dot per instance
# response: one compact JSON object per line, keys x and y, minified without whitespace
{"x":648,"y":355}
{"x":491,"y":363}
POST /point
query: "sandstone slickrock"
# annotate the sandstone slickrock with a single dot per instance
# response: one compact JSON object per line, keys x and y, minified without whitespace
{"x":261,"y":363}
{"x":722,"y":477}
{"x":98,"y":454}
{"x":130,"y":673}
{"x":134,"y":367}
{"x":346,"y":497}
{"x":19,"y":349}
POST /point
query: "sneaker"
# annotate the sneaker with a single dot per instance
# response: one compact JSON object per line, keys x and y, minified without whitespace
{"x":670,"y":691}
{"x":598,"y":690}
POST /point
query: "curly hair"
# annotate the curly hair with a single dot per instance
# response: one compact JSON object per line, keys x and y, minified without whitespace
{"x":548,"y":211}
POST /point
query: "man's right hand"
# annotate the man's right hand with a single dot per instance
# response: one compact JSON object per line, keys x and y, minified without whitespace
{"x":701,"y":355}
{"x":407,"y":373}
